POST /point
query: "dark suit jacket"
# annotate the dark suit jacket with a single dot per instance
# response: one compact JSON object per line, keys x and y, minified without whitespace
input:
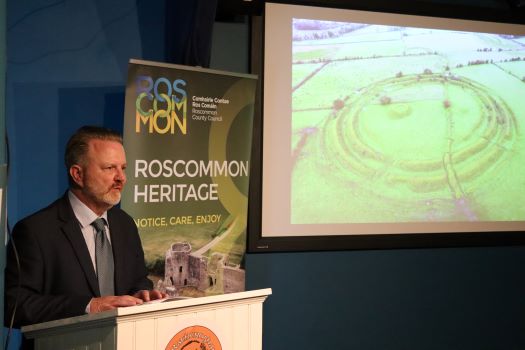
{"x":57,"y":278}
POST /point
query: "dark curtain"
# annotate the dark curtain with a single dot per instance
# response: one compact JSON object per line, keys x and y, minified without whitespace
{"x":189,"y":28}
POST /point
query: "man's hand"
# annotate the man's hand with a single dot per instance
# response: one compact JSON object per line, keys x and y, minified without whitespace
{"x":112,"y":302}
{"x":148,"y":295}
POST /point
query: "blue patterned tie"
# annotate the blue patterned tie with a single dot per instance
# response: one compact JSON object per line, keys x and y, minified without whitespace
{"x":103,"y":259}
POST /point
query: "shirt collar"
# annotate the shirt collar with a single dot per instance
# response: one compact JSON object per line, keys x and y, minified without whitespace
{"x":84,"y":215}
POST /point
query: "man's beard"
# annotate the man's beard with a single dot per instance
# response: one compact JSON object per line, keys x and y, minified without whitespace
{"x":112,"y":197}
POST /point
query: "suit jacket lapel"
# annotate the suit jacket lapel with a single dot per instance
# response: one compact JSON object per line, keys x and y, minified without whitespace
{"x":71,"y":229}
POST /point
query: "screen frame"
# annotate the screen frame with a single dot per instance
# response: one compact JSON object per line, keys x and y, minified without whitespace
{"x":258,"y":243}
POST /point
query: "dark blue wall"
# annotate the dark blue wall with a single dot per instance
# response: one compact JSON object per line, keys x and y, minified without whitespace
{"x":455,"y":298}
{"x":67,"y":66}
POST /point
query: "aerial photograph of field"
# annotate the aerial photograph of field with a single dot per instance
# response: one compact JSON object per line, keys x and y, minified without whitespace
{"x":400,"y":124}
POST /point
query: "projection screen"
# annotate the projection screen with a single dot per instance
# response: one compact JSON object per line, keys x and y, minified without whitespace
{"x":388,"y":126}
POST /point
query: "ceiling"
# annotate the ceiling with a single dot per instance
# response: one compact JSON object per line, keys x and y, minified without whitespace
{"x":497,"y":10}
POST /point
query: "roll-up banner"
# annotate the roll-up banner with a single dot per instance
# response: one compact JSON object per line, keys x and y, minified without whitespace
{"x":187,"y":135}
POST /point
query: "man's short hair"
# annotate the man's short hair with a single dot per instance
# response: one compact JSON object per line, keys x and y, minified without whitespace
{"x":77,"y":146}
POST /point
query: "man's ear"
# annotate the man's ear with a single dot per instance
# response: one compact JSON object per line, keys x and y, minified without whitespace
{"x":77,"y":175}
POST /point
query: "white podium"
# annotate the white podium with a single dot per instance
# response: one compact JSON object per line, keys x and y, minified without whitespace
{"x":222,"y":322}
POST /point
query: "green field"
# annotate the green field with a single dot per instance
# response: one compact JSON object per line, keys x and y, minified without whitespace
{"x":408,"y":126}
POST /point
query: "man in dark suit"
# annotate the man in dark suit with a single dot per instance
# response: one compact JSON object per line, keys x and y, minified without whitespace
{"x":51,"y":270}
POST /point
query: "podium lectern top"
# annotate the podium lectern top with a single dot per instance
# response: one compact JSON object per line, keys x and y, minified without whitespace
{"x":113,"y":316}
{"x":221,"y":322}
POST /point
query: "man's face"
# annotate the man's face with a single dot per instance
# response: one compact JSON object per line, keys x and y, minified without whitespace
{"x":103,"y":176}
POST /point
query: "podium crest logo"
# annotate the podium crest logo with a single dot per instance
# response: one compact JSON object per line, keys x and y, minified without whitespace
{"x":195,"y":338}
